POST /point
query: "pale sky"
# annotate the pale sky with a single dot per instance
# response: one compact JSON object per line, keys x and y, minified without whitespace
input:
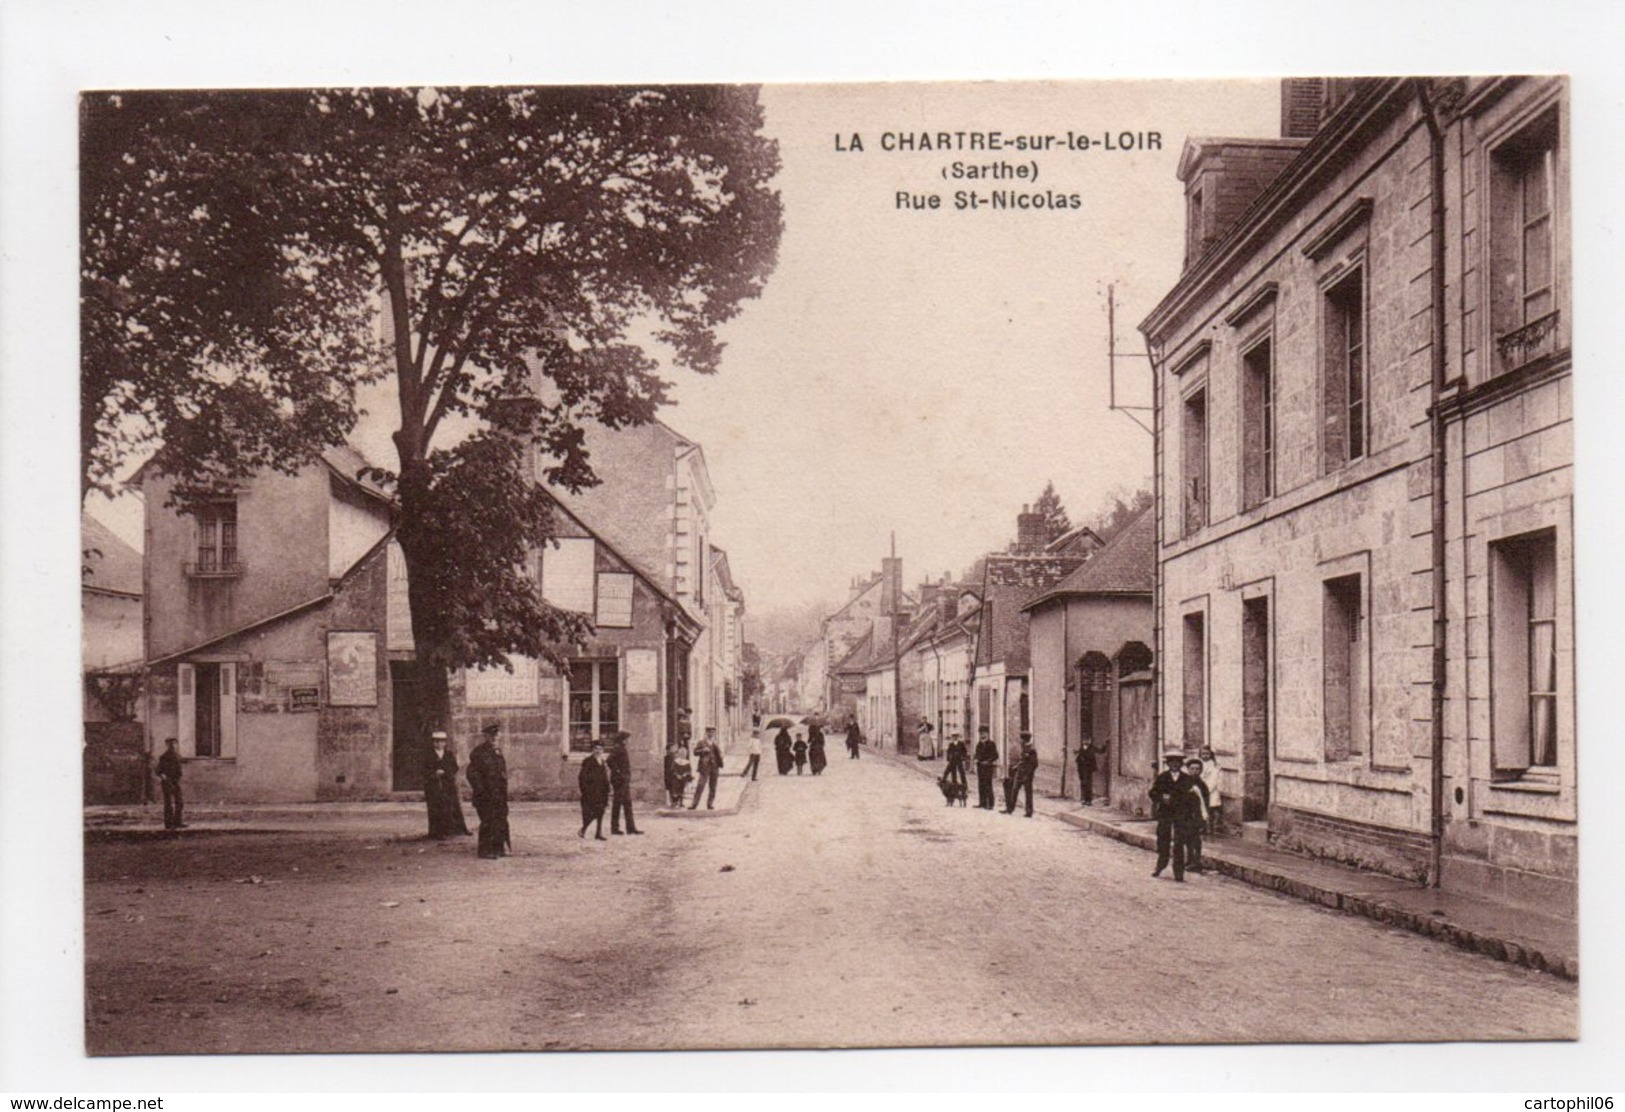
{"x":928,"y":371}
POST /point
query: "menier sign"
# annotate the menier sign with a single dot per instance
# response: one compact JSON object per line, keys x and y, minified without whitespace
{"x":497,"y":687}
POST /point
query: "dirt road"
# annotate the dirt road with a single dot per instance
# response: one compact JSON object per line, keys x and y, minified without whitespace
{"x":852,"y":909}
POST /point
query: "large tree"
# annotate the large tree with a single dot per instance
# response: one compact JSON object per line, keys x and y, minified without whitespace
{"x":533,"y":254}
{"x":1056,"y":523}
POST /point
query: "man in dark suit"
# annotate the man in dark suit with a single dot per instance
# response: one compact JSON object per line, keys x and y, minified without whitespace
{"x":620,"y":784}
{"x":1086,"y":773}
{"x":1163,"y":790}
{"x":169,"y":777}
{"x":488,"y":781}
{"x":987,"y":760}
{"x":709,"y":767}
{"x":1021,"y":775}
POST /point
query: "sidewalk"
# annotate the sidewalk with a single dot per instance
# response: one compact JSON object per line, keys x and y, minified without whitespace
{"x":1542,"y":942}
{"x":409,"y":814}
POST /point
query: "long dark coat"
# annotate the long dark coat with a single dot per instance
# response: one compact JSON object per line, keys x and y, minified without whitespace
{"x":440,"y":794}
{"x":781,"y":750}
{"x":488,"y":780}
{"x":815,"y":750}
{"x":594,"y":784}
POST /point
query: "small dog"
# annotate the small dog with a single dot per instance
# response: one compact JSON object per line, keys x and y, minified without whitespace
{"x":952,"y":791}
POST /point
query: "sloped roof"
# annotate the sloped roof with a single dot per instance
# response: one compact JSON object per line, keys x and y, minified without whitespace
{"x":1126,"y":566}
{"x":347,"y":463}
{"x":114,"y":565}
{"x":857,"y":658}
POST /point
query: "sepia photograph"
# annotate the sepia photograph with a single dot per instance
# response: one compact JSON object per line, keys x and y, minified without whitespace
{"x":1038,"y":564}
{"x":1178,"y":475}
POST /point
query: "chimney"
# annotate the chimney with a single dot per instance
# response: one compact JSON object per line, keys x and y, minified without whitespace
{"x":1031,"y":535}
{"x":891,"y":584}
{"x":1303,"y":106}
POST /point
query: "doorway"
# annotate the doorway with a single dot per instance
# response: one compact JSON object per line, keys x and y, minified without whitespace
{"x":1255,"y":709}
{"x":408,"y":743}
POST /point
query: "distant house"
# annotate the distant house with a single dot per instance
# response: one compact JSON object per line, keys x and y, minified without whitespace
{"x":1090,"y":656}
{"x":110,"y":624}
{"x":1000,"y":688}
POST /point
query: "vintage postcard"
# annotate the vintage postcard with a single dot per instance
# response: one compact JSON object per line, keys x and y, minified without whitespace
{"x":689,"y":567}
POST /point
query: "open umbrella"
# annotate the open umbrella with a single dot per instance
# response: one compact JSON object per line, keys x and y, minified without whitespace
{"x":780,"y":723}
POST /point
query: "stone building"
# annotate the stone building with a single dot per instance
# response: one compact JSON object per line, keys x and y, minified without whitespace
{"x":1089,"y":638}
{"x":1363,"y":468}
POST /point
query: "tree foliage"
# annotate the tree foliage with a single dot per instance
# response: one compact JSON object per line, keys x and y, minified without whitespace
{"x":1119,"y":507}
{"x":532,"y":252}
{"x":1056,"y":523}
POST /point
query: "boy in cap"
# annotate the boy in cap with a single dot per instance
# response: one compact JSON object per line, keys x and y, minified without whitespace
{"x":1021,"y":776}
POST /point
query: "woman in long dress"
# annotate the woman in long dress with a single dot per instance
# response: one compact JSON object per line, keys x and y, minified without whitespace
{"x":815,"y":749}
{"x":440,"y":789}
{"x":781,"y":750}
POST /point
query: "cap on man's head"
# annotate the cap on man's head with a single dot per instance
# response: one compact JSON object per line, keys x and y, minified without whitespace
{"x":981,"y":729}
{"x":491,"y":729}
{"x":172,"y":741}
{"x":1173,"y":758}
{"x":438,"y":735}
{"x":1025,"y":736}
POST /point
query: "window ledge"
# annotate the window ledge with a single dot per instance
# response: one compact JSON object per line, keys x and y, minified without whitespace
{"x":1538,"y":784}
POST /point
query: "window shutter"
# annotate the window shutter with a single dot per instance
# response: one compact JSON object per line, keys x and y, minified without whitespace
{"x":186,"y":709}
{"x":228,"y":710}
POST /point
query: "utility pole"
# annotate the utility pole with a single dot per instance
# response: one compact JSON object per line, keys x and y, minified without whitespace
{"x":1112,"y":356}
{"x":896,"y":640}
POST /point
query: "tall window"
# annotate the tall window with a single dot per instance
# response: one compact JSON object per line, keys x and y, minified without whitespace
{"x":1195,"y":675}
{"x":217,"y":536}
{"x":1523,"y":201}
{"x":1258,"y":425}
{"x":1195,"y":228}
{"x":1193,"y":463}
{"x":1344,"y":679}
{"x":595,"y":702}
{"x":1346,"y":385}
{"x":1524,"y":653}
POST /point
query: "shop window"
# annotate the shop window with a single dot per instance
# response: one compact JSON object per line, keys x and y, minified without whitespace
{"x":594,"y":702}
{"x":1345,"y":682}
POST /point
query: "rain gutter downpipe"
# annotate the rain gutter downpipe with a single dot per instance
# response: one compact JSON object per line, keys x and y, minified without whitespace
{"x":1436,"y":426}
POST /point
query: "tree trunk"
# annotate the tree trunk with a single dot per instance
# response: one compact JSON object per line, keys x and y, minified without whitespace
{"x":429,"y":638}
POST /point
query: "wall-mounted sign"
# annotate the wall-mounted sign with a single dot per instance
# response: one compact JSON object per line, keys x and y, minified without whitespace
{"x":304,"y":698}
{"x":352,"y":669}
{"x":498,"y":687}
{"x":642,"y":672}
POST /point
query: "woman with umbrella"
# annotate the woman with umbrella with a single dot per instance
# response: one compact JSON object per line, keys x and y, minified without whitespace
{"x":781,"y":744}
{"x":815,"y":747}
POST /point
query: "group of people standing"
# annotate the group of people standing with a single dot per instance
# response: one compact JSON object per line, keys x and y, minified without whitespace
{"x":1183,"y":802}
{"x":1018,"y":779}
{"x":488,"y":787}
{"x":800,"y":752}
{"x":681,"y":767}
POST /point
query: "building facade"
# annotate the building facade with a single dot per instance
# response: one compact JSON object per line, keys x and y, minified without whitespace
{"x":1364,"y":473}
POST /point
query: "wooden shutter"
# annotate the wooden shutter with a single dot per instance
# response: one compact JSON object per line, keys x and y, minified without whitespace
{"x":186,"y":708}
{"x":228,"y":710}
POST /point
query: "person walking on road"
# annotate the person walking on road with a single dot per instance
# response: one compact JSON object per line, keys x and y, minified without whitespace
{"x":1086,"y":773}
{"x":488,"y":780}
{"x":755,"y":751}
{"x":1163,"y":790}
{"x":1021,"y":775}
{"x":781,"y":750}
{"x":620,"y":784}
{"x":1190,"y":816}
{"x":710,"y":758}
{"x":169,"y":778}
{"x":815,"y":749}
{"x":594,"y":782}
{"x":987,"y":762}
{"x":440,"y":789}
{"x":957,"y":756}
{"x":799,"y":749}
{"x":926,"y":748}
{"x":854,"y":739}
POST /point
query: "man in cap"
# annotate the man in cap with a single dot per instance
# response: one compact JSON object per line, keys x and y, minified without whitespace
{"x":1021,"y":775}
{"x":709,"y":767}
{"x":1086,"y":773}
{"x":987,"y":761}
{"x":594,"y":782}
{"x":1163,"y":790}
{"x":488,"y":779}
{"x":169,"y":778}
{"x":620,"y":784}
